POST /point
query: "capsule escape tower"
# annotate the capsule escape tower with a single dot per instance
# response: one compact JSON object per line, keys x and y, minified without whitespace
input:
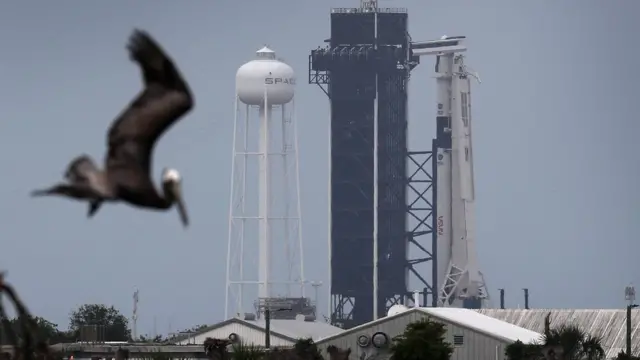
{"x":364,"y":71}
{"x":264,"y":208}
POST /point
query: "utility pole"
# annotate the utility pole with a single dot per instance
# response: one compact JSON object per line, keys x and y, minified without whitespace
{"x":526,"y":298}
{"x":267,"y":325}
{"x":267,"y":306}
{"x":630,"y":296}
{"x":135,"y":315}
{"x":155,"y":329}
{"x":267,"y":328}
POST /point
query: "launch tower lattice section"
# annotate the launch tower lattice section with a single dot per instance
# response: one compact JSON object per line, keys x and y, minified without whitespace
{"x":422,"y":223}
{"x":364,"y":71}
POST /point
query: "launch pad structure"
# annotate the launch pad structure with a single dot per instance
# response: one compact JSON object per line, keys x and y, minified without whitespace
{"x":365,"y":71}
{"x":384,"y":198}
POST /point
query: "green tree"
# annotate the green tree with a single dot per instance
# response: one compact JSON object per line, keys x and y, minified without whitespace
{"x":151,"y":339}
{"x":47,"y":331}
{"x":423,"y":339}
{"x":41,"y":328}
{"x":112,"y":325}
{"x":306,"y":348}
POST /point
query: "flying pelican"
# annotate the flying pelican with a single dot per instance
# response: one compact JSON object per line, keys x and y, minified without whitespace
{"x":166,"y":97}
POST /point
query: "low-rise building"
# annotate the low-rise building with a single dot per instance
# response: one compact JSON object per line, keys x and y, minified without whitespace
{"x":474,"y":336}
{"x":283,"y":333}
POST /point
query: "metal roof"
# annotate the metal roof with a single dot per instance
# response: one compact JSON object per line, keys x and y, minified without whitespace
{"x":297,"y":329}
{"x":483,"y":323}
{"x":289,"y":329}
{"x":609,"y":324}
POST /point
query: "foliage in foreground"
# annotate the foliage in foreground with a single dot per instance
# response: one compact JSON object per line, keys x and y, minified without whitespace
{"x":623,"y":356}
{"x":42,"y":328}
{"x":23,"y":337}
{"x":423,"y":339}
{"x":303,"y":349}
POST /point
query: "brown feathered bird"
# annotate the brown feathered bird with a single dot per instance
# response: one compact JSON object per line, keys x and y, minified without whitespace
{"x":165,"y":99}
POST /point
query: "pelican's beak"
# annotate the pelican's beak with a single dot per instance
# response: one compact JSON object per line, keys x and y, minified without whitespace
{"x":182,"y":209}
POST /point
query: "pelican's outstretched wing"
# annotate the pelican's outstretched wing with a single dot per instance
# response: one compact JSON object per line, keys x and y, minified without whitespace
{"x":166,"y":97}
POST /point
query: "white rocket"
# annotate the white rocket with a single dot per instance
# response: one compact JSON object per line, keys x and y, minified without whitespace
{"x":460,"y":282}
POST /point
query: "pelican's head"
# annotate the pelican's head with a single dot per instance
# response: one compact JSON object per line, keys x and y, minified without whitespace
{"x":172,"y":185}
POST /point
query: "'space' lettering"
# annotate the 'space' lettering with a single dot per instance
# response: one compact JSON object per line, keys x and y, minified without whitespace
{"x":275,"y":81}
{"x":440,"y":225}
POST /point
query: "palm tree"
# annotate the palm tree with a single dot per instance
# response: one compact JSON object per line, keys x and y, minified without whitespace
{"x":246,"y":352}
{"x":216,"y":349}
{"x":565,"y":342}
{"x":569,"y":342}
{"x":335,"y":353}
{"x":623,"y":356}
{"x":592,"y":347}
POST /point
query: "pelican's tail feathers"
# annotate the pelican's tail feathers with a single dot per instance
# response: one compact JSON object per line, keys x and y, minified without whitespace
{"x":94,"y":206}
{"x":75,"y":191}
{"x":41,"y":192}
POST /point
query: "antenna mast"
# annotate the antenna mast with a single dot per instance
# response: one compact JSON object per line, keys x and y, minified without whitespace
{"x":135,"y":315}
{"x":369,"y":4}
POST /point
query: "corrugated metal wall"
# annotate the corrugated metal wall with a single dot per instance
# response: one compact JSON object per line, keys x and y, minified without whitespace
{"x":476,"y":346}
{"x":608,"y":324}
{"x":247,"y":335}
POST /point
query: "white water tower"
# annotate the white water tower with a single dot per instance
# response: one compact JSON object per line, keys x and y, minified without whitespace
{"x":265,"y":238}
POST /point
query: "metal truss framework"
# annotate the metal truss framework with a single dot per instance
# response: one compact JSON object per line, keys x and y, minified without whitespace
{"x":421,"y":211}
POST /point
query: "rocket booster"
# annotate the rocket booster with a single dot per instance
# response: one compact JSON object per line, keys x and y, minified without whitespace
{"x":458,"y":273}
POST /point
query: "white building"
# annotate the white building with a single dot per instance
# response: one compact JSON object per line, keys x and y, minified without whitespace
{"x":283,"y":332}
{"x":474,"y":336}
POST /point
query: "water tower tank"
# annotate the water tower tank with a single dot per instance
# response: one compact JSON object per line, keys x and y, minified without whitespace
{"x":265,"y":73}
{"x":396,"y":309}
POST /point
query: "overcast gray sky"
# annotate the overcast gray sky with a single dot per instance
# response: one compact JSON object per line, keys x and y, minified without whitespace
{"x":556,"y":129}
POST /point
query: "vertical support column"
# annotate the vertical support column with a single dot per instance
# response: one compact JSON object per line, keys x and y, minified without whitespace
{"x":228,"y":285}
{"x":375,"y":178}
{"x":284,"y":152}
{"x":294,"y":125}
{"x":264,"y":243}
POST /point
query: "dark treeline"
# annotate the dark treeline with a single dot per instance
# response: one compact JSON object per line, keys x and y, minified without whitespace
{"x":112,"y":324}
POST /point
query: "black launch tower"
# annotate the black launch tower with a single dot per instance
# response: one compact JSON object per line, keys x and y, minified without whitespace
{"x":364,"y":71}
